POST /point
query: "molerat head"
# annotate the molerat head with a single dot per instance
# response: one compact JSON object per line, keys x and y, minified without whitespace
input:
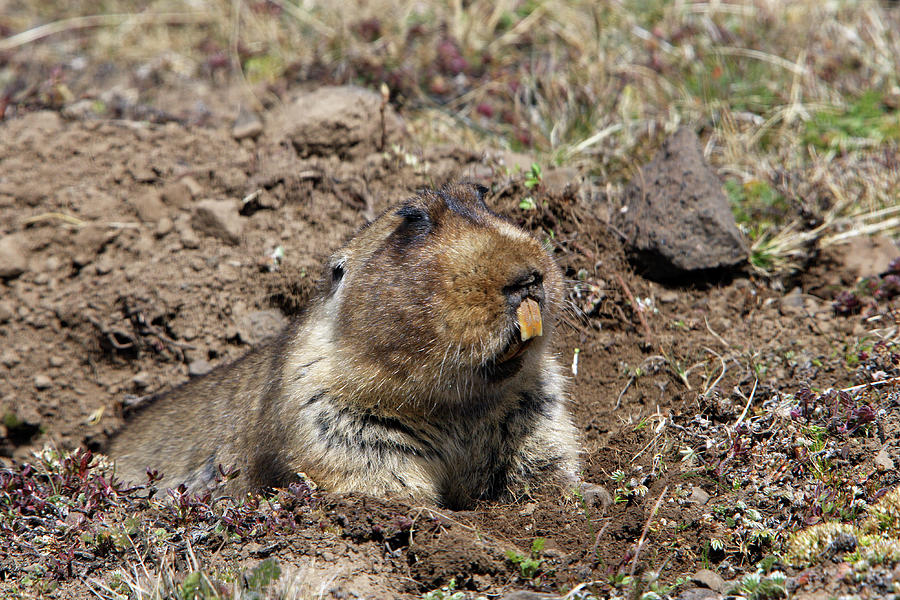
{"x":440,"y":300}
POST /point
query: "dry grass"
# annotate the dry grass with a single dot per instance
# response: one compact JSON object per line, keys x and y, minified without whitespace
{"x":267,"y":580}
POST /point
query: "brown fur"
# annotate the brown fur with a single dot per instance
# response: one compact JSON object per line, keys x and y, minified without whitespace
{"x":389,"y":384}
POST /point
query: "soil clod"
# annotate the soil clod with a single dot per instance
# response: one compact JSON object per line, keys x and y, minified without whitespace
{"x":676,"y":217}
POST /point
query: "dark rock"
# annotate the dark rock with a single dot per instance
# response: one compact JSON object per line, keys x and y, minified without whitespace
{"x":218,"y":218}
{"x":18,"y":428}
{"x":677,"y":219}
{"x":341,"y":120}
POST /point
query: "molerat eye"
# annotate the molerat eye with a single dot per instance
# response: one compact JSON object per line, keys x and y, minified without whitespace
{"x":337,"y":273}
{"x":415,"y":225}
{"x":414,"y":215}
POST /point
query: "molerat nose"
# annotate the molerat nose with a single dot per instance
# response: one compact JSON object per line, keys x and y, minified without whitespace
{"x":529,"y":284}
{"x":526,"y":294}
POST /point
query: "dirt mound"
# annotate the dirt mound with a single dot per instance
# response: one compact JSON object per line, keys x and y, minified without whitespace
{"x":145,"y":251}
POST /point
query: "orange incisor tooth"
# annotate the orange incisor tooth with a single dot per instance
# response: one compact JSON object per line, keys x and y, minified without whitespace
{"x":529,"y":315}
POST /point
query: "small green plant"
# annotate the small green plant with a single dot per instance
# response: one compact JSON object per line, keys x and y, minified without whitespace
{"x":445,"y":593}
{"x":196,"y":585}
{"x":620,"y":579}
{"x":626,"y":490}
{"x":678,"y":369}
{"x":529,"y":566}
{"x":689,"y":456}
{"x":757,"y":586}
{"x":263,"y":575}
{"x":534,"y":176}
{"x":767,"y":563}
{"x":755,"y":202}
{"x":527,"y":203}
{"x":659,"y":590}
{"x":263,"y":68}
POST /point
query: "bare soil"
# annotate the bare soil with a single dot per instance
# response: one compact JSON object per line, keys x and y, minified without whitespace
{"x":121,"y":293}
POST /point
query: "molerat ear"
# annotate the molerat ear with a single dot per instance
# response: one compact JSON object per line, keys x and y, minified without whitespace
{"x":481,"y":190}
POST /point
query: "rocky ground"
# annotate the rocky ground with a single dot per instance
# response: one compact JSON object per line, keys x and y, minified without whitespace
{"x":724,"y":411}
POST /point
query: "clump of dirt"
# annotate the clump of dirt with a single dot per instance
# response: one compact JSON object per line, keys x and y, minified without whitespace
{"x":676,"y":218}
{"x":344,"y":121}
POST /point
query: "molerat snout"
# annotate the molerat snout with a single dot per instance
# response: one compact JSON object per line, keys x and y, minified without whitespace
{"x":529,"y":284}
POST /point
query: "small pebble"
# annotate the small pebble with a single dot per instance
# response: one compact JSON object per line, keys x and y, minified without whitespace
{"x":883,"y":461}
{"x":42,"y":382}
{"x":9,"y":359}
{"x":13,"y":261}
{"x":189,"y":237}
{"x":141,"y":380}
{"x":194,"y":188}
{"x":199,"y":367}
{"x":164,"y":227}
{"x":247,"y":125}
{"x":177,"y":194}
{"x":6,"y":312}
{"x":698,"y":496}
{"x":709,"y":579}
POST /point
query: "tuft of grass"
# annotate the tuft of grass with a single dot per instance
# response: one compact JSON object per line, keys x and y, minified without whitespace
{"x":866,"y":122}
{"x":266,"y":580}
